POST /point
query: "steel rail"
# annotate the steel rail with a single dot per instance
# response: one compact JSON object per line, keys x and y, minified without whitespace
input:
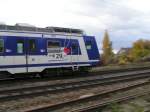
{"x":49,"y":89}
{"x":101,"y":105}
{"x":101,"y":72}
{"x":55,"y":107}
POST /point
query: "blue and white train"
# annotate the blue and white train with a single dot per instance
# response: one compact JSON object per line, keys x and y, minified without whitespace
{"x":26,"y":49}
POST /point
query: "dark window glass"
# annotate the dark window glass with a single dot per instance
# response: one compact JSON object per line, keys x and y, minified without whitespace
{"x":20,"y":46}
{"x":53,"y":44}
{"x":74,"y":46}
{"x":1,"y":45}
{"x":32,"y":45}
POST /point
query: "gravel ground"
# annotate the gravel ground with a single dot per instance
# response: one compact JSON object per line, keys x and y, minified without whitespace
{"x":23,"y":104}
{"x":140,"y":104}
{"x":114,"y":67}
{"x":98,"y":100}
{"x":137,"y":105}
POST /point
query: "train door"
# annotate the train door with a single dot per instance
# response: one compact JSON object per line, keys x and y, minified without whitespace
{"x":75,"y":53}
{"x":6,"y":56}
{"x":31,"y":57}
{"x":36,"y":51}
{"x":20,"y":59}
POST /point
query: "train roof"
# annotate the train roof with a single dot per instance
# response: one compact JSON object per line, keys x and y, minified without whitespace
{"x":27,"y":27}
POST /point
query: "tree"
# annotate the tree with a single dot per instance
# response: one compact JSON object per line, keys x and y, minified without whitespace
{"x":140,"y":49}
{"x":107,"y":49}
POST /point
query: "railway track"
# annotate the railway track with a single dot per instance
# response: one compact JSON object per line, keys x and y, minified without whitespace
{"x":93,"y":107}
{"x":13,"y":94}
{"x":78,"y":75}
{"x":99,"y":106}
{"x":30,"y":82}
{"x":8,"y":84}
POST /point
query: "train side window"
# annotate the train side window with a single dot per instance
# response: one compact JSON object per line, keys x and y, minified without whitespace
{"x":20,"y":46}
{"x":88,"y":45}
{"x":1,"y":45}
{"x":32,"y":45}
{"x":53,"y":44}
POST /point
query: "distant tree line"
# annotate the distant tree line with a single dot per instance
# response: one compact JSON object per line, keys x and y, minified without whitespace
{"x":140,"y":51}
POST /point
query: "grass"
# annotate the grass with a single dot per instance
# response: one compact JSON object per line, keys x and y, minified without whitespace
{"x":136,"y":108}
{"x":116,"y":107}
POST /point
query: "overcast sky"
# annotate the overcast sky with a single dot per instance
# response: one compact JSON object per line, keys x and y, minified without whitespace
{"x":125,"y":20}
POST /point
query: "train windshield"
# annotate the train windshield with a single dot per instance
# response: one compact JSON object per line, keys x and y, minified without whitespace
{"x":1,"y":45}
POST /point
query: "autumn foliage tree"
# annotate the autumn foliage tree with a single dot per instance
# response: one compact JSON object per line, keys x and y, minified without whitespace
{"x":140,"y":49}
{"x":107,"y":49}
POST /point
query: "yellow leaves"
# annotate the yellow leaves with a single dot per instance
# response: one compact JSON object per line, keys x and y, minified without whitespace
{"x":107,"y":49}
{"x":140,"y":49}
